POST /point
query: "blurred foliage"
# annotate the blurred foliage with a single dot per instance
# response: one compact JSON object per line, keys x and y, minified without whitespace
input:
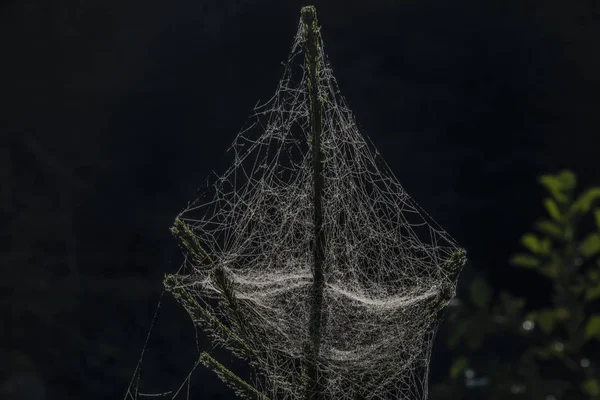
{"x":505,"y":349}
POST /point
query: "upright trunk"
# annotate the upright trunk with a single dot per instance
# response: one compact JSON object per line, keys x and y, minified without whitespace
{"x":314,"y":385}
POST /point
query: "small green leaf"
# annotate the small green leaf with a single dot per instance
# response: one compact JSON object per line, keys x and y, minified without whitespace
{"x":532,"y":242}
{"x":547,"y":319}
{"x":551,"y":229}
{"x":525,"y":261}
{"x":591,"y":387}
{"x":592,"y":328}
{"x":568,"y":180}
{"x":586,"y":200}
{"x":559,"y":185}
{"x":546,"y":246}
{"x":458,"y":366}
{"x":552,"y":209}
{"x":591,"y":245}
{"x":481,"y":293}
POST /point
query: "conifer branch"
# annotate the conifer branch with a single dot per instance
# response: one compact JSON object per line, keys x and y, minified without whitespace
{"x":456,"y":261}
{"x":224,"y":284}
{"x":239,"y":386}
{"x":447,"y":288}
{"x":235,"y":340}
{"x":209,"y":323}
{"x":191,"y":243}
{"x":232,"y":304}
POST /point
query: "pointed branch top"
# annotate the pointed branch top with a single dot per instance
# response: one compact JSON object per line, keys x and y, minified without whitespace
{"x":309,"y":15}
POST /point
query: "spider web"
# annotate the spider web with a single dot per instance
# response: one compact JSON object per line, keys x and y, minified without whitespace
{"x":385,"y":259}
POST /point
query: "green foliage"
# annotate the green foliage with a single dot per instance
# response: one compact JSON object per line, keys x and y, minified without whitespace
{"x":591,"y":387}
{"x":590,"y":246}
{"x":559,"y":355}
{"x":560,"y":186}
{"x":592,"y":328}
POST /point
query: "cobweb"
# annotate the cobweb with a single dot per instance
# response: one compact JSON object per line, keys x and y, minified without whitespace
{"x":385,"y":259}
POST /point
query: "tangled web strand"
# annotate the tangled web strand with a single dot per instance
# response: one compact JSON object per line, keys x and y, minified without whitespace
{"x":386,"y":262}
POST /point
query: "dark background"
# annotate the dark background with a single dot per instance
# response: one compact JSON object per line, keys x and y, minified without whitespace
{"x":114,"y":112}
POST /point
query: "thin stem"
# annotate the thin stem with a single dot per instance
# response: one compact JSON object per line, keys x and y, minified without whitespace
{"x":314,"y":382}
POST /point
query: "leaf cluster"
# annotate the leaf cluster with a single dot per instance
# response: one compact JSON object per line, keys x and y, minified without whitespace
{"x":551,"y":351}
